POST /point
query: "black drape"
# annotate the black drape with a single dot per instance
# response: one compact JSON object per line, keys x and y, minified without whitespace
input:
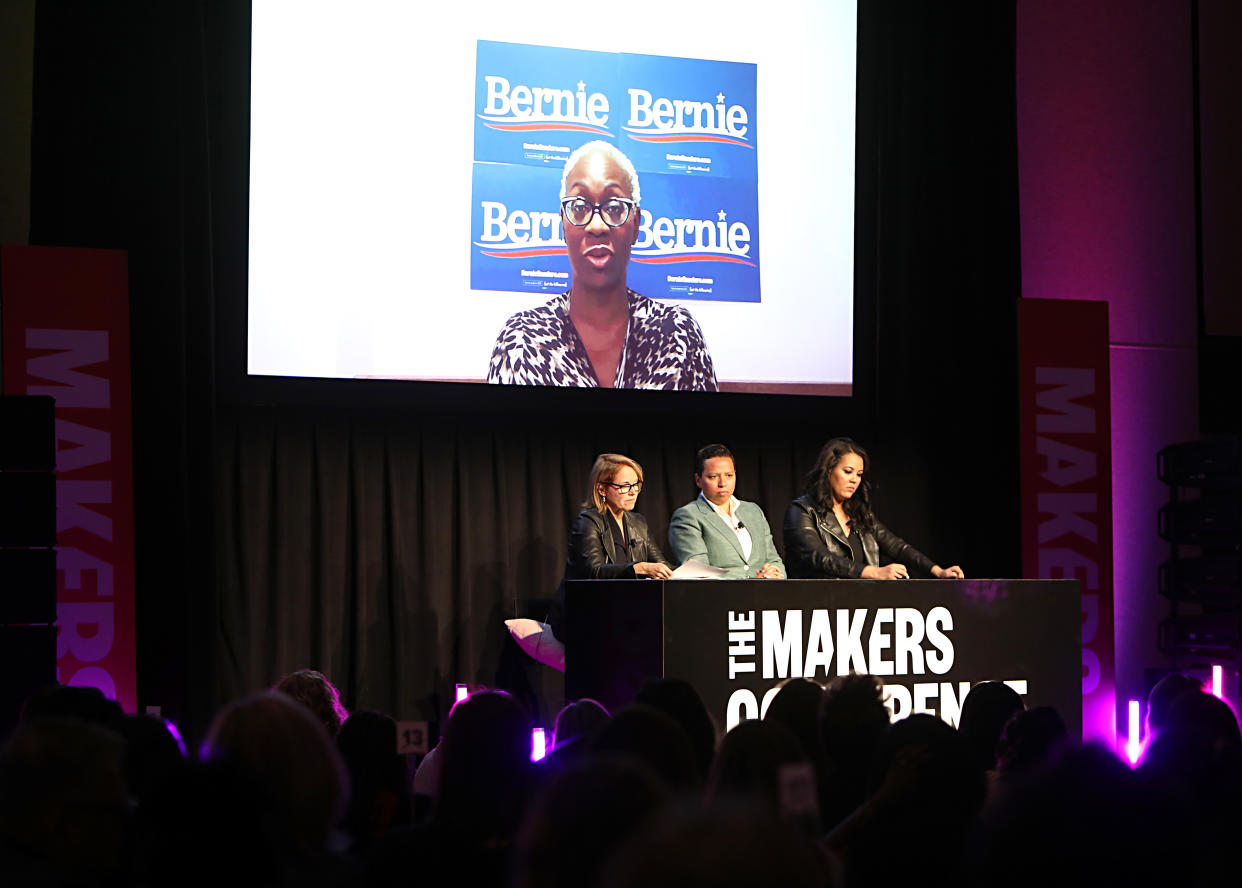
{"x":382,"y":533}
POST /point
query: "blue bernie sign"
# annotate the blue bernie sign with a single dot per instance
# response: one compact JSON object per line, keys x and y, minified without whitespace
{"x":689,"y":116}
{"x":535,"y":104}
{"x":515,"y":226}
{"x":699,"y":239}
{"x":688,"y":125}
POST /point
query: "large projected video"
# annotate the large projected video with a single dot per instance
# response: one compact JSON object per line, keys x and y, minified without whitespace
{"x":406,"y":178}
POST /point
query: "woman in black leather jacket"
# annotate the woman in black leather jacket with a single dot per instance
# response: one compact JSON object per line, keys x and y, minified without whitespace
{"x":609,"y":540}
{"x":830,"y":530}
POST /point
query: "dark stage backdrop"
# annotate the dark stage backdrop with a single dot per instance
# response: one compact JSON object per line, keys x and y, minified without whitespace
{"x":382,"y":534}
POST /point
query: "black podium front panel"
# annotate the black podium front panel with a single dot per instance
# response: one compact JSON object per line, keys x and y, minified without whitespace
{"x":736,"y":640}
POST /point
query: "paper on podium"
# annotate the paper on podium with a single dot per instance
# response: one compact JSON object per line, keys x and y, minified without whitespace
{"x":697,"y":570}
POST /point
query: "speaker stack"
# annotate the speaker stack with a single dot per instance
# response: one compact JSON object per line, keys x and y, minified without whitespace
{"x":1203,"y":525}
{"x":27,"y":551}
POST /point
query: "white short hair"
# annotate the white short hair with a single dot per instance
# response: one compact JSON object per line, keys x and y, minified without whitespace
{"x":606,"y":148}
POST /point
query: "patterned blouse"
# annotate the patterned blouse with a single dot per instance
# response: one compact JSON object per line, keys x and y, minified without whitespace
{"x":663,"y":349}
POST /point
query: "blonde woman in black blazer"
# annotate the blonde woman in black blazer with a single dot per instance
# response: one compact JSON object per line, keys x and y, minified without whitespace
{"x":609,"y":540}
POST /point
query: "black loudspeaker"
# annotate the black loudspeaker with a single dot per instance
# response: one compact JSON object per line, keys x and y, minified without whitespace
{"x":1213,"y":520}
{"x":1212,"y":580}
{"x":27,"y":586}
{"x":27,"y":432}
{"x":27,"y":559}
{"x":27,"y":509}
{"x":1210,"y":635}
{"x":27,"y":663}
{"x":1213,"y":463}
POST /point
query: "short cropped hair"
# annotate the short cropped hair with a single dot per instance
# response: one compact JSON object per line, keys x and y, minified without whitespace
{"x":711,"y":451}
{"x":610,"y":150}
{"x":605,"y":469}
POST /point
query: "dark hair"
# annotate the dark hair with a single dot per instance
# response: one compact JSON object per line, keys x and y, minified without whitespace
{"x":485,"y":776}
{"x":852,"y":716}
{"x":711,"y":451}
{"x":1031,"y":739}
{"x":748,"y":764}
{"x":984,"y":712}
{"x":1164,"y":694}
{"x":286,"y":750}
{"x":678,"y":699}
{"x":313,"y":690}
{"x":581,"y":718}
{"x":819,"y":485}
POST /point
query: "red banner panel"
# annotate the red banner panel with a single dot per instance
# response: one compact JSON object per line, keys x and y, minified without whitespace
{"x":66,"y":334}
{"x":1067,"y":478}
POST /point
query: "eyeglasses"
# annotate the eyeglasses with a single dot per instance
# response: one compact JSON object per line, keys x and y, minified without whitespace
{"x":635,"y":486}
{"x":614,"y":211}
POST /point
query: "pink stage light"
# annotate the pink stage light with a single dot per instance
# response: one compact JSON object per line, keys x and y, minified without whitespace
{"x":176,"y":735}
{"x":538,"y":744}
{"x":1218,"y":681}
{"x":463,"y":691}
{"x":1134,"y":745}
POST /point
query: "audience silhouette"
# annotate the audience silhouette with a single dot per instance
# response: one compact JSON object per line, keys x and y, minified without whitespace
{"x":824,"y":791}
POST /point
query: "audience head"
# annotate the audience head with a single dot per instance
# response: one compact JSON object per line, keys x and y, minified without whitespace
{"x":212,"y":823}
{"x":69,"y":701}
{"x":852,"y":719}
{"x":727,"y":846}
{"x":1199,"y":711}
{"x":927,"y":788}
{"x":796,"y":706}
{"x":485,"y":772}
{"x":1161,"y":698}
{"x":658,"y":741}
{"x":281,"y":746}
{"x":1031,"y":739}
{"x":152,"y":754}
{"x":313,"y":690}
{"x":1198,"y":752}
{"x":937,"y":766}
{"x":1087,"y":819}
{"x":681,"y":702}
{"x":63,"y":800}
{"x":379,"y":777}
{"x":984,"y":712}
{"x":579,"y":719}
{"x":589,"y":808}
{"x":748,"y":764}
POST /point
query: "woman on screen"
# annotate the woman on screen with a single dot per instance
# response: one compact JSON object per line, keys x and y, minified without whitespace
{"x":830,"y":530}
{"x":609,"y":540}
{"x":600,"y":332}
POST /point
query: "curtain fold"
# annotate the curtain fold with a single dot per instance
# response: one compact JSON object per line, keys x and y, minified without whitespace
{"x":387,"y":550}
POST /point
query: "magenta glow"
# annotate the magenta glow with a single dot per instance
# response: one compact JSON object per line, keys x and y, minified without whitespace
{"x":1134,"y":745}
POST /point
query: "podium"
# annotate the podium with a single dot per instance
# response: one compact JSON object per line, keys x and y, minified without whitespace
{"x":735,"y":641}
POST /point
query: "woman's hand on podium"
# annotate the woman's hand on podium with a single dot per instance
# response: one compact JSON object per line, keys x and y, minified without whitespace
{"x":653,"y":569}
{"x":887,"y":572}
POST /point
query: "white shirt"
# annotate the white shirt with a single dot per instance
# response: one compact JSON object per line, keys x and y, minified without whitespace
{"x":730,"y":518}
